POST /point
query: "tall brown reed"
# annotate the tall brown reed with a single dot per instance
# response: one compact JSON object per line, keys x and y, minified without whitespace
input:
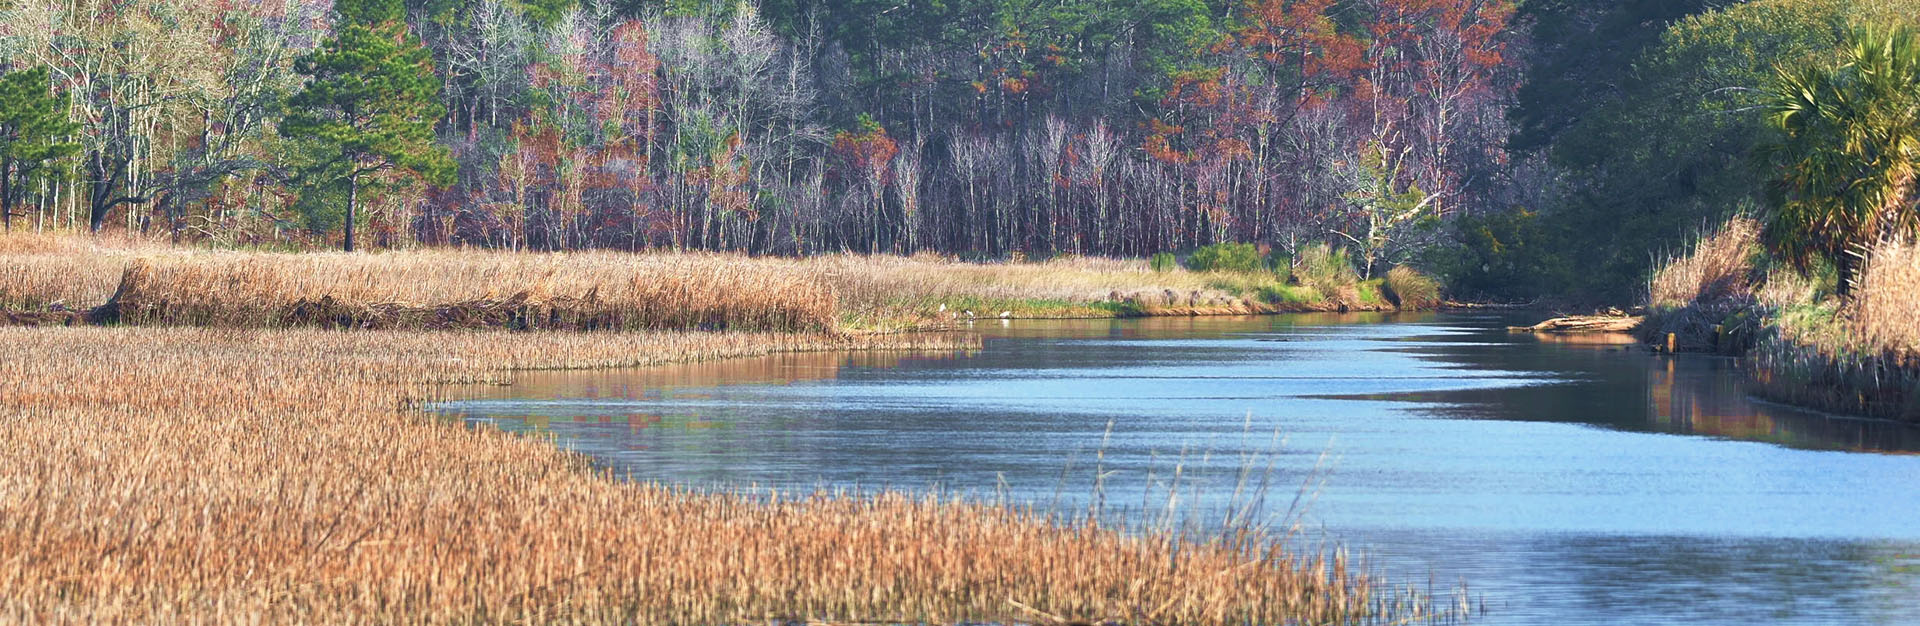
{"x":439,"y":289}
{"x":200,"y":475}
{"x":1704,"y":300}
{"x":166,"y":285}
{"x":1885,"y":311}
{"x":1864,"y":357}
{"x":1717,"y":270}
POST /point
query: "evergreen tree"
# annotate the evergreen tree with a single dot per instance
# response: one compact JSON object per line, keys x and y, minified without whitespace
{"x":372,"y":103}
{"x":33,"y":133}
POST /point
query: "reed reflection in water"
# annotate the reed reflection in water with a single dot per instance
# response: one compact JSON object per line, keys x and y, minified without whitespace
{"x":1570,"y":480}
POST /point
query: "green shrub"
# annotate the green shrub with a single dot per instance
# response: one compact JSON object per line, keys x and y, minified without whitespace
{"x":1163,"y":262}
{"x":1226,"y":257}
{"x":1410,"y":289}
{"x":1326,"y":269}
{"x":1281,"y":263}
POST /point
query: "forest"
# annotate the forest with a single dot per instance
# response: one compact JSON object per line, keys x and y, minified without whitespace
{"x":1519,"y":149}
{"x":980,"y":128}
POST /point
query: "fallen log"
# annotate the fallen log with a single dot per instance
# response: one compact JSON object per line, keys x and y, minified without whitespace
{"x":1584,"y":324}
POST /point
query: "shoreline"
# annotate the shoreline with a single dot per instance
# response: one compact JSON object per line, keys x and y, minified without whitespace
{"x":295,"y":475}
{"x":69,"y":281}
{"x":1778,"y":367}
{"x":220,"y":445}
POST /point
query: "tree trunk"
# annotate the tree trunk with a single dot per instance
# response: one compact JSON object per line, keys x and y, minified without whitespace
{"x":1844,"y":267}
{"x":107,"y":174}
{"x":6,"y":193}
{"x":353,"y":200}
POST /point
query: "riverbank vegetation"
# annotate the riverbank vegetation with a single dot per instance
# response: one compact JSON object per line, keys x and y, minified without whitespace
{"x":181,"y":474}
{"x":1801,"y":342}
{"x":59,"y":279}
{"x":1822,"y":290}
{"x":645,"y":181}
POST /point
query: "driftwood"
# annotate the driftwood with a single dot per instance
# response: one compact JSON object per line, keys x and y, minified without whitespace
{"x":42,"y":318}
{"x":1584,"y":324}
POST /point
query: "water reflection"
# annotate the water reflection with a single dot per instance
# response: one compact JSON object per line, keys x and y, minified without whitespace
{"x":536,"y":398}
{"x":658,"y":383}
{"x":1571,"y":480}
{"x":1707,"y":399}
{"x":1601,"y":376}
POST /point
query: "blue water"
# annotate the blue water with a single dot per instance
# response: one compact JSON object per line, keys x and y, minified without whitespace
{"x":1563,"y":481}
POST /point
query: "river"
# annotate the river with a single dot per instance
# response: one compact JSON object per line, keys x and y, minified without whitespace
{"x":1566,"y":480}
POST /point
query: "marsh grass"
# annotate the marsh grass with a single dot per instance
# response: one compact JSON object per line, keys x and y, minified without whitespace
{"x":1718,"y":270}
{"x":217,"y":475}
{"x":889,"y":292}
{"x":1861,"y":358}
{"x":1706,"y":299}
{"x":1326,"y":270}
{"x":1411,"y":289}
{"x":1885,"y":313}
{"x":472,"y":290}
{"x":1809,"y":372}
{"x":1227,"y":257}
{"x":1801,"y":346}
{"x":1291,"y":294}
{"x":158,"y":284}
{"x":42,"y":271}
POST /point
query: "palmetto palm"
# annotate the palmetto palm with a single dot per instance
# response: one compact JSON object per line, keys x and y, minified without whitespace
{"x":1850,"y":147}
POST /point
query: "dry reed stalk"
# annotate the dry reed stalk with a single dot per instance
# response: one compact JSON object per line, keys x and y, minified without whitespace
{"x":1827,"y":374}
{"x":1719,"y":269}
{"x":1885,"y":310}
{"x":1864,"y":359}
{"x":451,"y":289}
{"x":199,"y":475}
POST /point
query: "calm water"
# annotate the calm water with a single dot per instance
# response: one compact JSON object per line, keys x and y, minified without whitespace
{"x":1567,"y":482}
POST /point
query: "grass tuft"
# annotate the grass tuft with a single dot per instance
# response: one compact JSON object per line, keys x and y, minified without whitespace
{"x":1325,"y":269}
{"x":1164,"y":262}
{"x":1720,"y":269}
{"x":1411,"y":289}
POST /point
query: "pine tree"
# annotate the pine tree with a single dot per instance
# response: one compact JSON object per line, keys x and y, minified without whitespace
{"x":372,"y":103}
{"x":33,"y":132}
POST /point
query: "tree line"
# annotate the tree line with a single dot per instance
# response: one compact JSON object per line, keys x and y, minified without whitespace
{"x":1642,"y":124}
{"x":978,"y":127}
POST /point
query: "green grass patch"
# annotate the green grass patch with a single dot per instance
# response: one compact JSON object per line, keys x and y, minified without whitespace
{"x":1370,"y":292}
{"x":1814,"y":324}
{"x":1290,"y":294}
{"x":1325,"y":268}
{"x":904,"y":313}
{"x":1124,"y":308}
